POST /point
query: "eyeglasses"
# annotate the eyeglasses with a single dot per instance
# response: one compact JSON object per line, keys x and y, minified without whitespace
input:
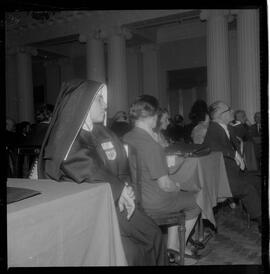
{"x":229,"y":109}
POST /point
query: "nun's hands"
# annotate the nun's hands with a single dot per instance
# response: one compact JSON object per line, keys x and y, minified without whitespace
{"x":127,"y":200}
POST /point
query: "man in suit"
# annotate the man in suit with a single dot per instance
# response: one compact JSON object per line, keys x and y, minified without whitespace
{"x":255,"y":134}
{"x":220,"y":137}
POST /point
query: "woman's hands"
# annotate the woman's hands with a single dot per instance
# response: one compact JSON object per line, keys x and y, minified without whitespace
{"x":127,"y":200}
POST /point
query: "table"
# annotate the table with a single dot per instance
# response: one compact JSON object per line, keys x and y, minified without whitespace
{"x":68,"y":224}
{"x":207,"y":177}
{"x":250,"y":156}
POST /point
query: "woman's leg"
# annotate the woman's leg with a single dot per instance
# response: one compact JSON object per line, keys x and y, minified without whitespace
{"x":173,"y":238}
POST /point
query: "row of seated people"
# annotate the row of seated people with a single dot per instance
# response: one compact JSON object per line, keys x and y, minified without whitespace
{"x":80,"y":149}
{"x":174,"y":131}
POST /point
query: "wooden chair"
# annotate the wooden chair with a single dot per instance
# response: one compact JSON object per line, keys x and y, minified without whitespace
{"x":166,"y":220}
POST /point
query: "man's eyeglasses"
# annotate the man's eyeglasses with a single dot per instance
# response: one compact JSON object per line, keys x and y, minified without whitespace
{"x":229,"y":109}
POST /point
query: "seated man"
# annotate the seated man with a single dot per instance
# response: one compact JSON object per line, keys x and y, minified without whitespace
{"x":219,"y":137}
{"x":255,"y":135}
{"x":241,"y":127}
{"x":120,"y":124}
{"x":78,"y":148}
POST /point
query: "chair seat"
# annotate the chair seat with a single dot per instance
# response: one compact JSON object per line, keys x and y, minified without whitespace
{"x":169,"y":218}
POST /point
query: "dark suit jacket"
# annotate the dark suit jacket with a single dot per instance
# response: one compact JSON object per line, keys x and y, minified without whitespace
{"x":253,"y":131}
{"x":241,"y":131}
{"x":36,"y":135}
{"x":217,"y":140}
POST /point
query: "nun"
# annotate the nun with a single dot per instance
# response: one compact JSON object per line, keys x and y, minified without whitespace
{"x":79,"y":148}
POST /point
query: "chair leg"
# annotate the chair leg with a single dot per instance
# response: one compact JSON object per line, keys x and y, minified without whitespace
{"x":248,"y":220}
{"x":246,"y":213}
{"x":182,"y":242}
{"x":197,"y":230}
{"x":201,"y":229}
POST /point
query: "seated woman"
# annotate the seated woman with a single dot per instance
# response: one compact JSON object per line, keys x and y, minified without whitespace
{"x":159,"y":192}
{"x":198,"y":133}
{"x":160,"y":130}
{"x":78,"y":148}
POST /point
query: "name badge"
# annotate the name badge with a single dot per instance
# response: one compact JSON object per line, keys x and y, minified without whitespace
{"x":107,"y":145}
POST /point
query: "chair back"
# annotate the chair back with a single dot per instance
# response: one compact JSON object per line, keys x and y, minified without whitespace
{"x":136,"y":173}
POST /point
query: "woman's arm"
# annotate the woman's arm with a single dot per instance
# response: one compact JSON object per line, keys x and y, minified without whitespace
{"x":166,"y":184}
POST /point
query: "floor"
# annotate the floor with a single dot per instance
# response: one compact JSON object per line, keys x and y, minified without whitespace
{"x":234,"y":243}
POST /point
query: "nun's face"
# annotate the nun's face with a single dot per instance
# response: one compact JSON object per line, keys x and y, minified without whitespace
{"x":98,"y":109}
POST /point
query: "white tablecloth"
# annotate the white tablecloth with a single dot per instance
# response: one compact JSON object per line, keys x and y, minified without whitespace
{"x":69,"y":224}
{"x":207,"y":177}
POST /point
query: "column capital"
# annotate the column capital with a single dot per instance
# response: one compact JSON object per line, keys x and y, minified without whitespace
{"x":30,"y":50}
{"x":207,"y":14}
{"x":120,"y":31}
{"x":98,"y":34}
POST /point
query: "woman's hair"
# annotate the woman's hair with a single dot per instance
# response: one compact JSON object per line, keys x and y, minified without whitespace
{"x":198,"y":111}
{"x":144,"y":106}
{"x":160,"y":114}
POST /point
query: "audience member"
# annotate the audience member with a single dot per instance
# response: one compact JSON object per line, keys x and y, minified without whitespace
{"x":78,"y":148}
{"x":220,"y":137}
{"x":120,"y":124}
{"x":197,"y":114}
{"x":241,"y":125}
{"x":176,"y":129}
{"x":11,"y":138}
{"x":22,"y":131}
{"x":161,"y":127}
{"x":255,"y":135}
{"x":159,"y":192}
{"x":11,"y":141}
{"x":39,"y":129}
{"x":198,"y":133}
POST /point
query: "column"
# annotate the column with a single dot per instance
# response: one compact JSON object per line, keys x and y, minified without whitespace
{"x":117,"y":76}
{"x":248,"y":61}
{"x":53,"y":80}
{"x":134,"y":74}
{"x":66,"y":70}
{"x":25,"y":84}
{"x":150,"y":70}
{"x":11,"y":86}
{"x":95,"y":63}
{"x":218,"y":80}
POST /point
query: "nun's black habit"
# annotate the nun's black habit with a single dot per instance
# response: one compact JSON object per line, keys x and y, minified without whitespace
{"x":70,"y":153}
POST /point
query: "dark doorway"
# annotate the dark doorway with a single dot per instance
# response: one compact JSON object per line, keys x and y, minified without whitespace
{"x":185,"y":86}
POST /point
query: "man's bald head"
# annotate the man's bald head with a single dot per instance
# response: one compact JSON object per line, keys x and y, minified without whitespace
{"x":220,"y":112}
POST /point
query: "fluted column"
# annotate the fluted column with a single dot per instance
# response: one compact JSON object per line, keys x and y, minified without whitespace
{"x":134,"y":73}
{"x":248,"y":61}
{"x":218,"y":79}
{"x":11,"y":85}
{"x":25,"y":84}
{"x":117,"y":78}
{"x":95,"y":68}
{"x":66,"y":70}
{"x":150,"y":69}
